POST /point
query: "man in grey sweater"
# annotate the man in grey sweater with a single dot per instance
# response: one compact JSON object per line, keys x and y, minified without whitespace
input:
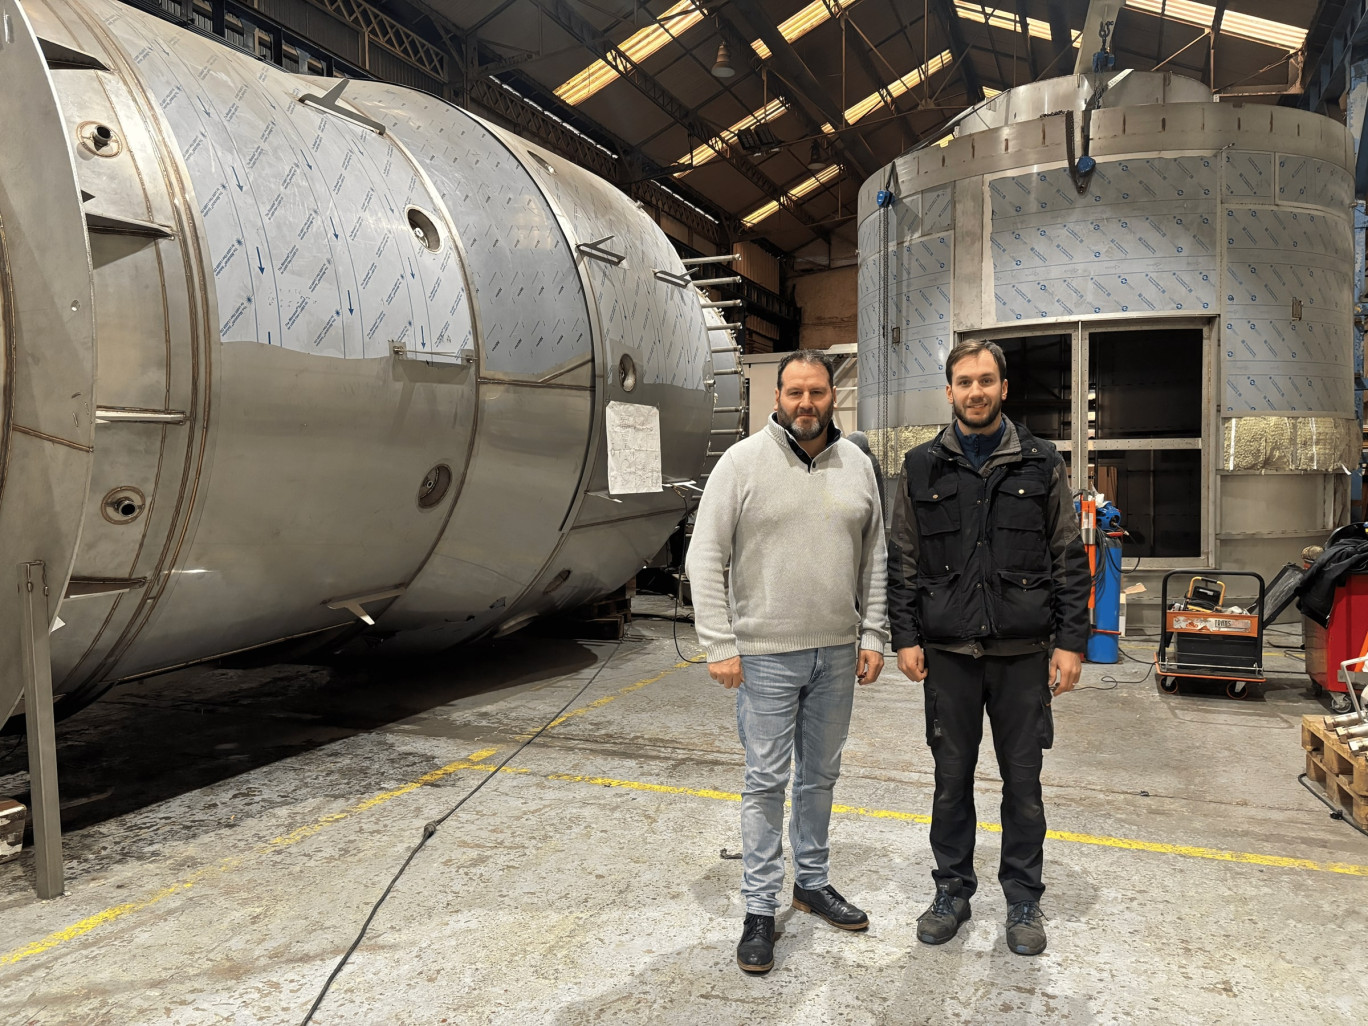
{"x":795,"y":511}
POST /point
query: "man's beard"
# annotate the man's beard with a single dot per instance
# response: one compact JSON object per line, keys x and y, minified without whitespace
{"x":980,"y":417}
{"x":813,"y":427}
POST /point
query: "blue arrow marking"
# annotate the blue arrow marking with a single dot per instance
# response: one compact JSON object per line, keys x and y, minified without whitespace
{"x":204,"y":107}
{"x":349,"y":305}
{"x":260,"y":266}
{"x":268,"y":338}
{"x":235,"y":179}
{"x":423,"y":335}
{"x":305,"y":155}
{"x":412,"y":274}
{"x":332,"y":226}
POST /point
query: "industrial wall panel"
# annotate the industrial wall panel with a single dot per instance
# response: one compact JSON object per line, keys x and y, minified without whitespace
{"x":533,"y":316}
{"x":391,"y":68}
{"x":907,"y":375}
{"x":1139,"y":241}
{"x":638,"y":314}
{"x":314,"y":25}
{"x":1288,"y":285}
{"x":314,"y":260}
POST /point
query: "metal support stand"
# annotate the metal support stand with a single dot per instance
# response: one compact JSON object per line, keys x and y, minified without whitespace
{"x":42,"y":733}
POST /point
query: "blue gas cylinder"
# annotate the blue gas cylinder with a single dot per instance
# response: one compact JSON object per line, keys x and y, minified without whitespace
{"x":1104,"y":641}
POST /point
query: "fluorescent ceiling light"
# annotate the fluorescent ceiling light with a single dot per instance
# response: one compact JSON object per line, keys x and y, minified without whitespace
{"x":1246,"y":26}
{"x":985,"y":15}
{"x":702,"y":154}
{"x":638,"y":46}
{"x":814,"y":14}
{"x":800,"y":190}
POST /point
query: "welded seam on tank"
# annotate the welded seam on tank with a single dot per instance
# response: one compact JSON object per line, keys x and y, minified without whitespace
{"x":117,"y":609}
{"x":44,"y":436}
{"x":180,"y":192}
{"x":7,"y":338}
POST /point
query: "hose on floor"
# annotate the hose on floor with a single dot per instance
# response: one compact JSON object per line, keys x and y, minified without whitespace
{"x":1335,"y":811}
{"x":431,"y":827}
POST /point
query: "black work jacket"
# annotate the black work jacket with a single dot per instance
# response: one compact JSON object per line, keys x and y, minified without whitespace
{"x":991,"y":560}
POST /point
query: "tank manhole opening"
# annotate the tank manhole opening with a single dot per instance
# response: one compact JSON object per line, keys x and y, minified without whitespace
{"x":627,"y":373}
{"x":123,"y":505}
{"x":434,"y":487}
{"x":424,"y":229}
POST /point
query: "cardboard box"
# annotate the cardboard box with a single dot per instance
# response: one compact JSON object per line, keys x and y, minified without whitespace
{"x":13,"y":818}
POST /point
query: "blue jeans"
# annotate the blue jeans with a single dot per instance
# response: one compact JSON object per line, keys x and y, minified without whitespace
{"x":795,"y":704}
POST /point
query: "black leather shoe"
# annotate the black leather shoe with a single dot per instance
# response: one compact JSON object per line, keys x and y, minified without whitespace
{"x":755,"y":953}
{"x":828,"y":903}
{"x":1026,"y":928}
{"x":942,"y":920}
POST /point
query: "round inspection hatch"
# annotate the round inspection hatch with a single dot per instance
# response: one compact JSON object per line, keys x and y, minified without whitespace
{"x":434,"y":486}
{"x":123,"y":505}
{"x":99,"y":139}
{"x":424,"y":228}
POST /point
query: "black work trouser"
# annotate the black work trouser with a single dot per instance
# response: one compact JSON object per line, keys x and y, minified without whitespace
{"x":1015,"y":690}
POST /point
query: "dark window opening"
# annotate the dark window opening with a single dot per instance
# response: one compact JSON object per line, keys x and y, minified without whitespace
{"x":1145,"y":384}
{"x":1159,"y":495}
{"x":1040,"y":384}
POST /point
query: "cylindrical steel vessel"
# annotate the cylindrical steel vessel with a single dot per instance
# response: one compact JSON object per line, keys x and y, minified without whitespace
{"x":280,"y":360}
{"x":1173,"y":277}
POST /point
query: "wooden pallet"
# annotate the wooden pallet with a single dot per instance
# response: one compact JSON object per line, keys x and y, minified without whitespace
{"x":1343,"y":777}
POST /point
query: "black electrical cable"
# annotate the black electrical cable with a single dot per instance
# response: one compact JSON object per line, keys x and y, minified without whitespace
{"x":1335,"y":811}
{"x":432,"y":826}
{"x":679,"y":587}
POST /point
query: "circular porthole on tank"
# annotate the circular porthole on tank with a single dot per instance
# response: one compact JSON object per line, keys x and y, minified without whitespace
{"x":123,"y":505}
{"x":434,"y":486}
{"x":424,"y":228}
{"x":627,"y":373}
{"x":99,"y":139}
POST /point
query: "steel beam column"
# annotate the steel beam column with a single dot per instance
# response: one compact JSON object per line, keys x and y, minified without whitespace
{"x":1327,"y":71}
{"x":959,"y":49}
{"x":42,"y":734}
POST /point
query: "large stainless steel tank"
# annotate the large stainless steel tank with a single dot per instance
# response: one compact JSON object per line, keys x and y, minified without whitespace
{"x":1222,"y":227}
{"x":274,"y":364}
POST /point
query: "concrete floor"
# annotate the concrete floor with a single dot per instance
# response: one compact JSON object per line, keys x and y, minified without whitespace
{"x":229,"y":830}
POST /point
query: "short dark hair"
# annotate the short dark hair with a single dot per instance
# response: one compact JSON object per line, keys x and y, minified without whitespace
{"x":972,"y":347}
{"x":817,"y":356}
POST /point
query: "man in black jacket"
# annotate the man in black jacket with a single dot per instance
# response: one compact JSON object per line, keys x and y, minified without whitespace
{"x":988,"y":588}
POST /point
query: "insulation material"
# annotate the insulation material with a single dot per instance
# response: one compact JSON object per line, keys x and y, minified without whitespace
{"x":890,"y":445}
{"x":1140,"y":241}
{"x":633,"y":449}
{"x":1272,"y":444}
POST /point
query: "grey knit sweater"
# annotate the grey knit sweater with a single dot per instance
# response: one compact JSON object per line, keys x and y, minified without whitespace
{"x":806,"y":547}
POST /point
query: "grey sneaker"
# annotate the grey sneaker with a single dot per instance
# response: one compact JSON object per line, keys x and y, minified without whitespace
{"x":1026,"y":928}
{"x":942,"y":920}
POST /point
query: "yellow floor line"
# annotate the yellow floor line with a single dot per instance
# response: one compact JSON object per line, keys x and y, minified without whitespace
{"x":477,"y":761}
{"x":599,"y":703}
{"x":1123,"y":843}
{"x":473,"y":761}
{"x":109,"y":915}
